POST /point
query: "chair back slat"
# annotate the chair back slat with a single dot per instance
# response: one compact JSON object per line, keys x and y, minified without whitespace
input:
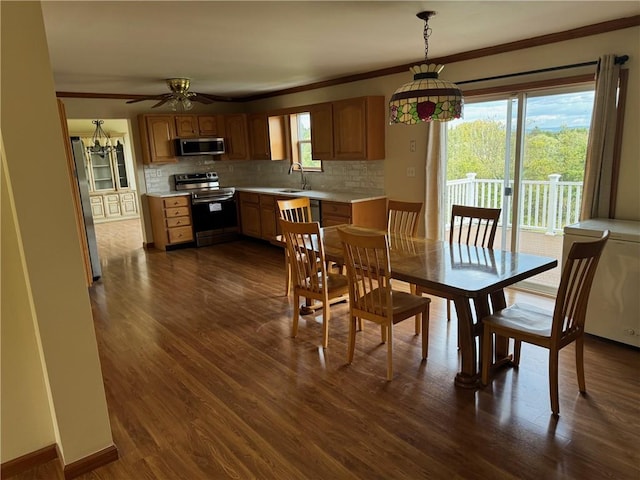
{"x":369,"y":271}
{"x":575,"y":285}
{"x":306,"y":254}
{"x":474,"y":225}
{"x":295,"y":209}
{"x":402,"y":217}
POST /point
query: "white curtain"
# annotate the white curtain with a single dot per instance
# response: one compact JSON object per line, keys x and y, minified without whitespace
{"x":434,"y":183}
{"x":599,"y":164}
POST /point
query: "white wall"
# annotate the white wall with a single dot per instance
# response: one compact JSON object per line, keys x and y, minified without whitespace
{"x":46,"y":284}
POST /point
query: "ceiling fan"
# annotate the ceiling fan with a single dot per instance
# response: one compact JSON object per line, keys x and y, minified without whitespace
{"x":181,"y":96}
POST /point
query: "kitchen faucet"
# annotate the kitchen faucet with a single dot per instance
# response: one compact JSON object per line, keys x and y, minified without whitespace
{"x":303,"y":180}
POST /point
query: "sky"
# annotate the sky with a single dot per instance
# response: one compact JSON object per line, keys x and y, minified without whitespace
{"x":548,"y":112}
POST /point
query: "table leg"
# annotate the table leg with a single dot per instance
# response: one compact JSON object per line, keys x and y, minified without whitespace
{"x":469,"y":376}
{"x":498,"y":302}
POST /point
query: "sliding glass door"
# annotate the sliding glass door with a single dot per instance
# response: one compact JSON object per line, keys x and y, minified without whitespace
{"x":523,"y":153}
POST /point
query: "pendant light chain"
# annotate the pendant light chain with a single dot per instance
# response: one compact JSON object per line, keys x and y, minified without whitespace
{"x":426,"y":34}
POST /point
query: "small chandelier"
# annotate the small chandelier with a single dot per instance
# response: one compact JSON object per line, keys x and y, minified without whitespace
{"x":426,"y":98}
{"x":101,"y":141}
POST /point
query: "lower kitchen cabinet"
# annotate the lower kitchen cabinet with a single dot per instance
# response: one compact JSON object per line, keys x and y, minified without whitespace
{"x":250,"y":223}
{"x":269,"y":217}
{"x":259,"y":214}
{"x":170,"y":220}
{"x":366,"y":213}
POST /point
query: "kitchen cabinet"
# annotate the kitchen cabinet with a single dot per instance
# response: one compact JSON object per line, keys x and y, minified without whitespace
{"x":250,"y":221}
{"x":359,"y":128}
{"x":367,"y":213}
{"x":170,"y":220}
{"x":236,"y":137}
{"x":190,"y":126}
{"x":259,"y":215}
{"x":321,"y":131}
{"x":157,"y":133}
{"x":267,"y":136}
{"x":268,"y":217}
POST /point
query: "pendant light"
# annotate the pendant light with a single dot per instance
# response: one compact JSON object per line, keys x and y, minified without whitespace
{"x":101,"y":141}
{"x":426,"y":98}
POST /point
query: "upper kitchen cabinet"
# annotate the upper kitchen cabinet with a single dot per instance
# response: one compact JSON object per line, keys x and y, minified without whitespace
{"x":267,"y":136}
{"x":321,"y":131}
{"x":197,"y":126}
{"x":358,"y":128}
{"x":236,"y":137}
{"x":157,"y":132}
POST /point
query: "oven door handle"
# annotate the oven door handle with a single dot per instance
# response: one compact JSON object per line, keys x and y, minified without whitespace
{"x":197,"y":201}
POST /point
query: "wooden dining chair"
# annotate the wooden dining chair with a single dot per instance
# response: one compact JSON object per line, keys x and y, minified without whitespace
{"x":308,"y":267}
{"x":370,"y":294}
{"x":553,"y":330}
{"x":403,"y":217}
{"x":475,"y":226}
{"x":293,"y":210}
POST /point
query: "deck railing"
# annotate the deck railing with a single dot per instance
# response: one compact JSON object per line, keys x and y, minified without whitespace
{"x":546,"y":206}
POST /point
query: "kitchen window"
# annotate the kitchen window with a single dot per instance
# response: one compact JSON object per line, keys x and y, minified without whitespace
{"x":301,"y":142}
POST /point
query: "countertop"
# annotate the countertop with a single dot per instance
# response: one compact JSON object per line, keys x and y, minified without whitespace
{"x":344,"y":197}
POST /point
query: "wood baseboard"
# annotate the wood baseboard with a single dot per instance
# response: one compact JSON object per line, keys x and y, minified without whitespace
{"x":46,"y":454}
{"x":28,"y":461}
{"x":91,"y":462}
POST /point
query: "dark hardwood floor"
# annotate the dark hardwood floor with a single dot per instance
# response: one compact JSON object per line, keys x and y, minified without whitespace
{"x":204,"y":382}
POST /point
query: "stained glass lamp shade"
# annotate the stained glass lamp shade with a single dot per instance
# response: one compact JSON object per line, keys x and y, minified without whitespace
{"x":426,"y":98}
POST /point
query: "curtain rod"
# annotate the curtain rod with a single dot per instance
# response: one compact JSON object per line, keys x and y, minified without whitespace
{"x":619,"y":61}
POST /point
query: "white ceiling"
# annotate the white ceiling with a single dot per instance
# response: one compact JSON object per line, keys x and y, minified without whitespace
{"x":241,"y":48}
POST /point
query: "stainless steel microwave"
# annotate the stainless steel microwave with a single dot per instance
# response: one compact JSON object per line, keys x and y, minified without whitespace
{"x":199,"y":146}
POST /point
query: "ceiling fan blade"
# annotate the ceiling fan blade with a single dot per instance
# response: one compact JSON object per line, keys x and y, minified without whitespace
{"x":161,"y":102}
{"x":150,"y":97}
{"x":215,"y":98}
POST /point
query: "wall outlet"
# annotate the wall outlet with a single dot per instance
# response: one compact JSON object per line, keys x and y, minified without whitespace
{"x":412,"y":145}
{"x":411,"y":172}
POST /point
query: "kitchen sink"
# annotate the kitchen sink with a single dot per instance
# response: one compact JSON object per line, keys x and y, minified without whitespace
{"x":290,"y":190}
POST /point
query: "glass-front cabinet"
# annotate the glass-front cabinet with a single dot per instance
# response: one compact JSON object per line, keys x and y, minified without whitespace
{"x":112,"y":193}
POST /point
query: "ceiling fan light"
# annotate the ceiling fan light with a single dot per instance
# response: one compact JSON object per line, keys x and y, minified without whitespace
{"x":187,"y":104}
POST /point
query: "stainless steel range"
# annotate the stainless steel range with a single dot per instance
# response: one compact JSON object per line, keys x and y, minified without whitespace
{"x":213,"y":208}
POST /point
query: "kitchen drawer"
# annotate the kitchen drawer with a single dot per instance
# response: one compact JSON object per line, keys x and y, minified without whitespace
{"x":178,"y":222}
{"x":180,"y":234}
{"x":250,"y":197}
{"x":336,"y":209}
{"x":330,"y":221}
{"x":182,"y":201}
{"x":176,"y":212}
{"x":268,"y":201}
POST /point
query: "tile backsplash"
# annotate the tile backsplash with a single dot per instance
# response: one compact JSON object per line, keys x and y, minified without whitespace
{"x":357,"y":176}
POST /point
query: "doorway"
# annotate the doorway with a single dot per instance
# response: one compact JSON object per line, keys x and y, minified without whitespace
{"x":110,"y":174}
{"x":524,"y":153}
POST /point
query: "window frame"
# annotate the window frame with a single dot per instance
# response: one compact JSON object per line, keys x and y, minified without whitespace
{"x":297,"y":143}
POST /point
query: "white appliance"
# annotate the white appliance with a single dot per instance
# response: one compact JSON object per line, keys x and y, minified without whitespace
{"x":613,"y":311}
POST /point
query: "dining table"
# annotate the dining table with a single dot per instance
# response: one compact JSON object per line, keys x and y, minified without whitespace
{"x":473,"y":277}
